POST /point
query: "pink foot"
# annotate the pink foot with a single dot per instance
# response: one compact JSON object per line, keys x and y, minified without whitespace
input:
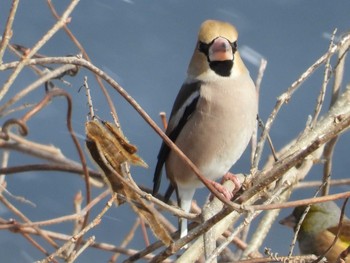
{"x":221,"y":189}
{"x":227,"y":194}
{"x":234,"y":180}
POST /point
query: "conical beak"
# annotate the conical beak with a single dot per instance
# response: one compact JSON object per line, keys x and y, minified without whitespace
{"x":289,"y":221}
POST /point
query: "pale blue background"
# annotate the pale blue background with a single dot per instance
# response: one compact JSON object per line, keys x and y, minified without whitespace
{"x":146,"y":46}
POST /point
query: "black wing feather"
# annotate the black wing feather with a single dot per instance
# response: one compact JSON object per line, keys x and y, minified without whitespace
{"x":164,"y":149}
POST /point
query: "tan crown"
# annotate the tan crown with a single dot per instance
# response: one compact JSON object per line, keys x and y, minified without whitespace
{"x":211,"y":29}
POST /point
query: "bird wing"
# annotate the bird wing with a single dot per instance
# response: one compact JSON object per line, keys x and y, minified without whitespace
{"x":324,"y":240}
{"x":344,"y":233}
{"x":185,"y":104}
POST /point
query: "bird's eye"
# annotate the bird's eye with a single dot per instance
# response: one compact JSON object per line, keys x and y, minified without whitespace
{"x":203,"y":47}
{"x":234,"y":46}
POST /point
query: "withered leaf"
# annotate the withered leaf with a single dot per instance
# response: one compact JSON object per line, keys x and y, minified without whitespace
{"x":109,"y":149}
{"x":121,"y":139}
{"x":113,"y":144}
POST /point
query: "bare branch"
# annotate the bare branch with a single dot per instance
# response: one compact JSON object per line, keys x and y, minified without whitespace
{"x":37,"y":46}
{"x":8,"y":31}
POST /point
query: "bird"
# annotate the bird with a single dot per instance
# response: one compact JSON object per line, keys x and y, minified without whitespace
{"x":213,"y":116}
{"x":318,"y":230}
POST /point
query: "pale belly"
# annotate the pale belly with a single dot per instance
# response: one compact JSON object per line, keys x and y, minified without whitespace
{"x":215,"y":139}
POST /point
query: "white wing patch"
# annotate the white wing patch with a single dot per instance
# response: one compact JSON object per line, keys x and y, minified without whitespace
{"x":174,"y":121}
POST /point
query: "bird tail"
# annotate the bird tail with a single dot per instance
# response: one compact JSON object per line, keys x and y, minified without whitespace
{"x":168,"y":193}
{"x":157,"y":177}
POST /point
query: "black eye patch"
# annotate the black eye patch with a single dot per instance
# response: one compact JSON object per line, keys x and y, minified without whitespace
{"x":234,"y":46}
{"x":204,"y":47}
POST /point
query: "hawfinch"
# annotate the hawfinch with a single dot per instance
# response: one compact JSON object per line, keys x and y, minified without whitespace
{"x":213,"y":117}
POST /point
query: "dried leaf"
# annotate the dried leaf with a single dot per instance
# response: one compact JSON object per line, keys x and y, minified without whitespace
{"x":113,"y":144}
{"x":109,"y":149}
{"x":121,"y":139}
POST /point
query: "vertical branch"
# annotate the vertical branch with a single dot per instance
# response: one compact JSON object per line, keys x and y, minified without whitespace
{"x":329,"y":147}
{"x":82,"y":160}
{"x":89,"y":100}
{"x":327,"y":74}
{"x":4,"y":162}
{"x":8,"y":31}
{"x":163,"y":119}
{"x":262,"y":67}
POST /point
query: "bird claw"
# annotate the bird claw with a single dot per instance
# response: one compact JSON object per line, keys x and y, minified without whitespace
{"x":222,"y":189}
{"x":234,"y":180}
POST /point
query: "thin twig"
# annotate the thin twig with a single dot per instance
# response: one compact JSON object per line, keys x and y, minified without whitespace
{"x":4,"y":162}
{"x":274,"y":197}
{"x":88,"y":243}
{"x":76,"y":216}
{"x":126,"y":240}
{"x":62,"y":167}
{"x":19,"y":95}
{"x":18,"y":213}
{"x":8,"y":29}
{"x":327,"y":75}
{"x":301,"y":220}
{"x":334,"y":182}
{"x":102,"y":246}
{"x":88,"y":96}
{"x":86,"y":56}
{"x":285,"y":97}
{"x":19,"y":108}
{"x":325,"y":130}
{"x":163,"y":119}
{"x":77,"y":237}
{"x":265,"y":224}
{"x":36,"y":244}
{"x":37,"y":46}
{"x":307,"y":201}
{"x":295,"y":259}
{"x":262,"y":67}
{"x":254,"y":139}
{"x":269,"y":140}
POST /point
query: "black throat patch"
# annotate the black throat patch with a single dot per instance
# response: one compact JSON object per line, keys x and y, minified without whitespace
{"x":222,"y":68}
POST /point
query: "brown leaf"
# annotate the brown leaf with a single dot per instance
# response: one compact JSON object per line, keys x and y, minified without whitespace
{"x":109,"y":149}
{"x":114,"y":145}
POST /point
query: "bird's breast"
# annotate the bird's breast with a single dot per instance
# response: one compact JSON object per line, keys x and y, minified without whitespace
{"x":218,"y":131}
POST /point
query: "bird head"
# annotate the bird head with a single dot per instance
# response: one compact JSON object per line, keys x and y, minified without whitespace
{"x":320,"y":217}
{"x":216,"y":51}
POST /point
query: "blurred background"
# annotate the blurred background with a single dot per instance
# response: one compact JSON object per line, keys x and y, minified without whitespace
{"x":146,"y":46}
